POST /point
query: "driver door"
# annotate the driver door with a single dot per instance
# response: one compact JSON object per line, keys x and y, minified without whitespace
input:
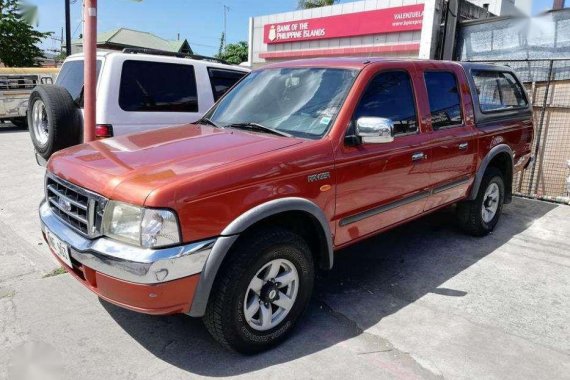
{"x":382,"y":184}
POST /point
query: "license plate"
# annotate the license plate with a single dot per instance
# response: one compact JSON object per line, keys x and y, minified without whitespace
{"x":59,"y":247}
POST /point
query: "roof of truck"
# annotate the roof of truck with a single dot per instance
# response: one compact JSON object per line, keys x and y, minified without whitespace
{"x":361,"y":62}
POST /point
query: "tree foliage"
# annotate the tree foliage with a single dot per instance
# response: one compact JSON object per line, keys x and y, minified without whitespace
{"x":234,"y":53}
{"x":222,"y":43}
{"x":18,"y":38}
{"x":308,"y":4}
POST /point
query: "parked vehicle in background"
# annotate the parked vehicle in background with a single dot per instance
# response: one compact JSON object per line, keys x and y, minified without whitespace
{"x":16,"y":84}
{"x":229,"y":218}
{"x":136,"y":91}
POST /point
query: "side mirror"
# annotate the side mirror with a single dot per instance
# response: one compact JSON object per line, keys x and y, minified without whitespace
{"x":375,"y":130}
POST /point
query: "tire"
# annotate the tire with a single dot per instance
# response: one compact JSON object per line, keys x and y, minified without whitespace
{"x":225,"y":316}
{"x":54,"y":120}
{"x":472,"y":218}
{"x":20,"y":122}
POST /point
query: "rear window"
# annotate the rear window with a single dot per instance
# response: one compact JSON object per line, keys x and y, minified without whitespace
{"x":498,"y":91}
{"x":157,"y":86}
{"x":444,"y":101}
{"x":71,"y":78}
{"x":222,"y":80}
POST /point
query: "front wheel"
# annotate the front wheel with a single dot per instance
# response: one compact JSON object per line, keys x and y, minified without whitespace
{"x":261,"y":291}
{"x":480,"y":216}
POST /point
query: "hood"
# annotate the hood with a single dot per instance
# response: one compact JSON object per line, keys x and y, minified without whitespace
{"x":129,"y":167}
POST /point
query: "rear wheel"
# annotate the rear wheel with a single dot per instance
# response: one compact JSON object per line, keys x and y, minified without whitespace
{"x":480,"y":216}
{"x":261,"y":291}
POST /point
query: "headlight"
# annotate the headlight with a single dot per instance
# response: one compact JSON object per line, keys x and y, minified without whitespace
{"x":144,"y":227}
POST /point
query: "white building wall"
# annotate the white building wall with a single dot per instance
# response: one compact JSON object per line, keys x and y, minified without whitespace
{"x":258,"y":46}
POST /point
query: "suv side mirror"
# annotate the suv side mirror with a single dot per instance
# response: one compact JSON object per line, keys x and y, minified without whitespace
{"x":375,"y":130}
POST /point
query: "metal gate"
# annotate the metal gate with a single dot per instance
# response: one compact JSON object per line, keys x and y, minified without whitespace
{"x":548,"y":85}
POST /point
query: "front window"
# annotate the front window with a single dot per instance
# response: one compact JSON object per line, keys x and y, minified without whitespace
{"x":302,"y":102}
{"x":390,"y":95}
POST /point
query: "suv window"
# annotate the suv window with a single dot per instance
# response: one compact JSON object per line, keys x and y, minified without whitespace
{"x":444,"y":101}
{"x":498,"y":91}
{"x":71,"y":78}
{"x":390,"y":95}
{"x":222,"y":80}
{"x":157,"y":86}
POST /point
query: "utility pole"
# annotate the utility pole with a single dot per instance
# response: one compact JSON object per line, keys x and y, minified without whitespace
{"x":67,"y":28}
{"x":89,"y":67}
{"x":558,"y":4}
{"x":226,"y":10}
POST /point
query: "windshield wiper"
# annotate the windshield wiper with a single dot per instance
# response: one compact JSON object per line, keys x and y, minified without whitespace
{"x":257,"y":127}
{"x":205,"y":120}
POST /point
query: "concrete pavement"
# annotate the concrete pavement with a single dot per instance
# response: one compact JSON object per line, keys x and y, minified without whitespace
{"x":422,"y":301}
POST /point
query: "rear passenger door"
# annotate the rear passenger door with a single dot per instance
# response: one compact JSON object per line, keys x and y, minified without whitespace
{"x":453,"y":134}
{"x":154,"y":94}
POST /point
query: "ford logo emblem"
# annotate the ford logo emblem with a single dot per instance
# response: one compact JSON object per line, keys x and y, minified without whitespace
{"x":64,"y":204}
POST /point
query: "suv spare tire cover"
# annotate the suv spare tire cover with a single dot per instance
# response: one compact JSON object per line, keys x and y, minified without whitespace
{"x":54,"y":120}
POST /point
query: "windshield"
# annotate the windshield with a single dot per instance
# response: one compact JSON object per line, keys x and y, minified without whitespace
{"x":301,"y":102}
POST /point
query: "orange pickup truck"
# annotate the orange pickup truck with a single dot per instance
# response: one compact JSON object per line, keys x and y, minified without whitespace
{"x":229,"y":218}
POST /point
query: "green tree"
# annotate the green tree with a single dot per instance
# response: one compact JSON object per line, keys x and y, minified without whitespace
{"x":308,"y":4}
{"x":234,"y":53}
{"x":222,"y":41}
{"x":18,"y":38}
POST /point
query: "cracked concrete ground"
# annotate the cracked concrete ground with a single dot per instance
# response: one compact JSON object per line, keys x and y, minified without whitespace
{"x":422,"y":301}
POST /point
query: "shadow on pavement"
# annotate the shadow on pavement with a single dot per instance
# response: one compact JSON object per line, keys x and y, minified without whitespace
{"x":9,"y":128}
{"x":376,"y":278}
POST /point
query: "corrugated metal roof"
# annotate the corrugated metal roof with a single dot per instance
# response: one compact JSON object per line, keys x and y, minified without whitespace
{"x":135,"y":38}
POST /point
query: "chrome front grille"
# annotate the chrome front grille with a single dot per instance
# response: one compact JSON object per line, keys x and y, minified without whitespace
{"x":79,"y":208}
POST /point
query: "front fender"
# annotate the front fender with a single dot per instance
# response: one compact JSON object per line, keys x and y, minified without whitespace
{"x":231,"y":233}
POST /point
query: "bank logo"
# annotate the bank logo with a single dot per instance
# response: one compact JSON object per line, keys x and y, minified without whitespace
{"x":272,"y":33}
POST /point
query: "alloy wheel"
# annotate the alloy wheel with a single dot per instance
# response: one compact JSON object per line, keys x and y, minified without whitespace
{"x":271,"y":294}
{"x":490,"y":202}
{"x":40,"y":122}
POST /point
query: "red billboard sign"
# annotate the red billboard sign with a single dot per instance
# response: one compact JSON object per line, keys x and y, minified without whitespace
{"x":388,"y":20}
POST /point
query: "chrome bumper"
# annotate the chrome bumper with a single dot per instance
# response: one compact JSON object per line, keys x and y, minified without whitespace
{"x":125,"y":262}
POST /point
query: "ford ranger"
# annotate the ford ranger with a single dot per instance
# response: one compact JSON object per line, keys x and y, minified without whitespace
{"x":229,"y":218}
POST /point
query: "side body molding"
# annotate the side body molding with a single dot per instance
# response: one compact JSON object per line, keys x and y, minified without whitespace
{"x":231,"y":233}
{"x":501,"y":148}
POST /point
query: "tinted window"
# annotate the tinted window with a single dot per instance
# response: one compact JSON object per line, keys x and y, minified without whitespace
{"x":444,"y":101}
{"x":498,"y":91}
{"x":222,"y":80}
{"x":71,"y":78}
{"x":157,"y":86}
{"x":390,"y":95}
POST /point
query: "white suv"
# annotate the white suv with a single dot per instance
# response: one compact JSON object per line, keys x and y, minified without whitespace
{"x":137,"y":90}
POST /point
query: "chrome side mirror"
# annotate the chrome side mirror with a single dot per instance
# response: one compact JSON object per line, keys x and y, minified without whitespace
{"x":375,"y":130}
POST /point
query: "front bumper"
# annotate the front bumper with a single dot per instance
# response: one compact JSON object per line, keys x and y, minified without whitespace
{"x":153,"y":281}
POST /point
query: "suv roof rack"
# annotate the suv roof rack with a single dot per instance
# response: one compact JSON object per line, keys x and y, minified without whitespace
{"x":173,"y":54}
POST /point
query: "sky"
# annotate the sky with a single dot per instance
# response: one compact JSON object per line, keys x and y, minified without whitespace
{"x":199,"y":21}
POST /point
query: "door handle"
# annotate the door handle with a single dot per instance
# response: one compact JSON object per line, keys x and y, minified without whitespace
{"x":418,"y":156}
{"x":463,"y":146}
